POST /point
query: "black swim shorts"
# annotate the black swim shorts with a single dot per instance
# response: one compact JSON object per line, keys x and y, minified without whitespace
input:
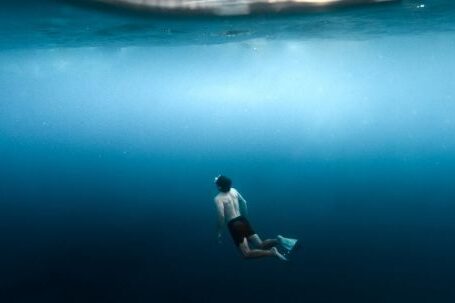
{"x":240,"y":228}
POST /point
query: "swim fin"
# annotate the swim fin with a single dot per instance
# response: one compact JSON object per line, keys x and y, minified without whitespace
{"x":287,"y":243}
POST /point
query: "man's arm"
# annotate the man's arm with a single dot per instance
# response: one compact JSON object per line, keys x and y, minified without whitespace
{"x":220,"y":219}
{"x":243,"y":205}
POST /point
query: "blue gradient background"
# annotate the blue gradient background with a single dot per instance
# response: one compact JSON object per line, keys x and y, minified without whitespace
{"x":337,"y":127}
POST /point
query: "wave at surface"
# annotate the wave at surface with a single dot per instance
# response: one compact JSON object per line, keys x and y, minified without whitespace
{"x":236,"y":7}
{"x":62,"y":24}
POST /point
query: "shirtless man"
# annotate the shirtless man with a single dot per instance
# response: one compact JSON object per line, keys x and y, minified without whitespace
{"x":232,"y":209}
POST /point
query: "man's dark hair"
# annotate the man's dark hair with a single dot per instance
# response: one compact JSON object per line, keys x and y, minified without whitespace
{"x":224,"y":183}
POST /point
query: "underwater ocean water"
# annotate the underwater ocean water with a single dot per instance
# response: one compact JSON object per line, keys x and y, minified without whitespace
{"x":337,"y":126}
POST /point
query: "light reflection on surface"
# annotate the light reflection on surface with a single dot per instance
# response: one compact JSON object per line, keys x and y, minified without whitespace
{"x":234,"y":7}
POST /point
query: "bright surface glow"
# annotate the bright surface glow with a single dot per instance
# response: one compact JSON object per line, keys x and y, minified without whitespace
{"x":285,"y":98}
{"x":231,"y":7}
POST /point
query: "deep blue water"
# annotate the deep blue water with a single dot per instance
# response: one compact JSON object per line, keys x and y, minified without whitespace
{"x":337,"y":127}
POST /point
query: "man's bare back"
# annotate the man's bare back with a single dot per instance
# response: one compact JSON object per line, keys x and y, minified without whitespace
{"x":228,"y":204}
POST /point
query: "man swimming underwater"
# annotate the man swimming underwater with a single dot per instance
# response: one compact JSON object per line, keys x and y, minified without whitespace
{"x":231,"y":212}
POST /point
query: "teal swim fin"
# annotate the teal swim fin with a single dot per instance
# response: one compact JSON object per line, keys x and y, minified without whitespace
{"x":287,"y":243}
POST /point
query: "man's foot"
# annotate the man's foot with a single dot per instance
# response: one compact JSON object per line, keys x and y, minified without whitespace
{"x":278,"y":254}
{"x":287,"y":243}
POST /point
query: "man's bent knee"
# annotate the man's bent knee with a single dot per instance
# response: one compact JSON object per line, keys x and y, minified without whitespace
{"x":244,"y":249}
{"x":256,"y":240}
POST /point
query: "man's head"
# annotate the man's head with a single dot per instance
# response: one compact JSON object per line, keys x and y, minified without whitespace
{"x":223,"y":183}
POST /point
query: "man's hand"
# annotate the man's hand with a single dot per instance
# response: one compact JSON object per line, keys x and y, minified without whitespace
{"x":219,"y":238}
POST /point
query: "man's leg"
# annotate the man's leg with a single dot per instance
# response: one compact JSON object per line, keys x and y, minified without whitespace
{"x":249,"y":253}
{"x":266,"y":244}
